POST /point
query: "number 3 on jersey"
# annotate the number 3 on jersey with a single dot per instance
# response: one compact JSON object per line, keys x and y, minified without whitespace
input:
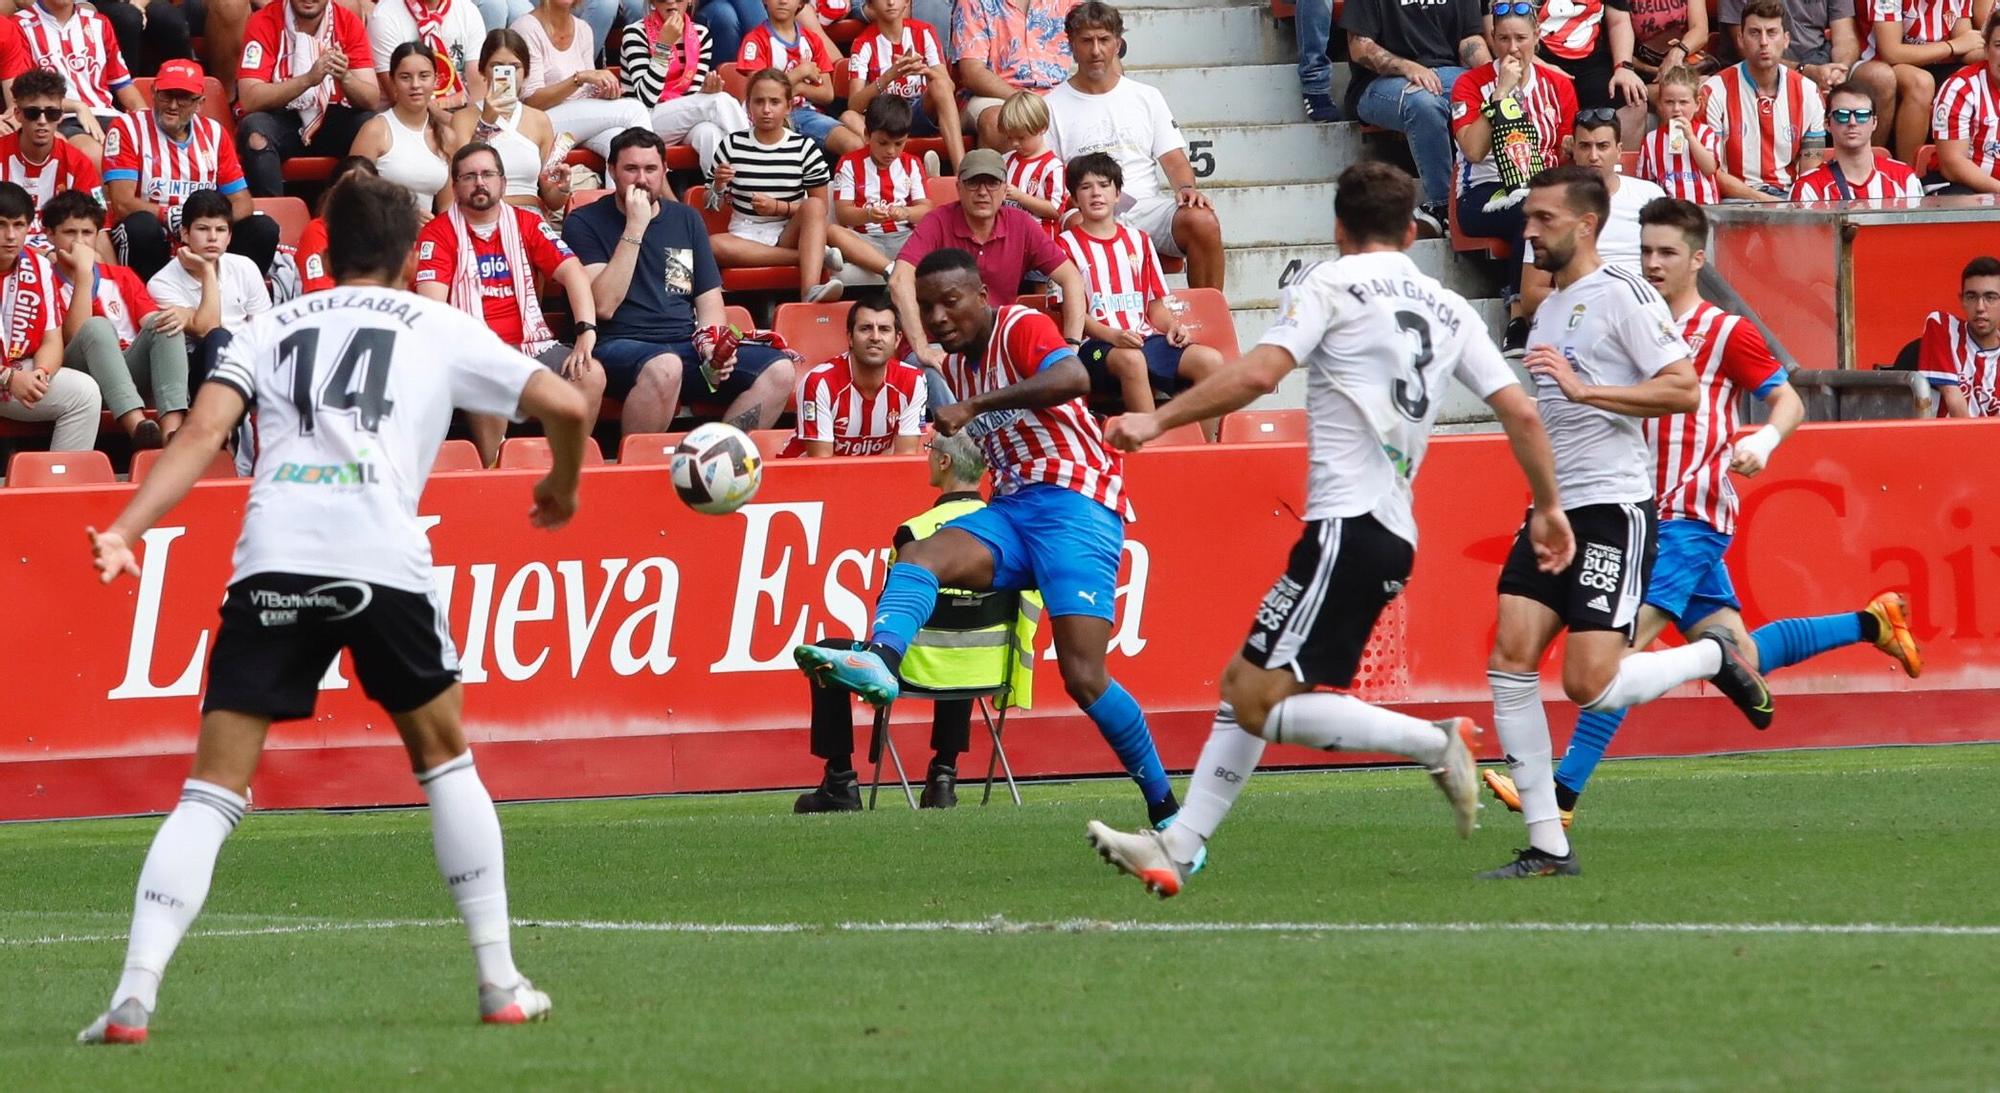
{"x":1413,"y":395}
{"x":367,"y":352}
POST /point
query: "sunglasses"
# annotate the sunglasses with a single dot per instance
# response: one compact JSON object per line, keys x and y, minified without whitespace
{"x":1855,"y":116}
{"x":1596,"y":116}
{"x":1503,"y":9}
{"x":41,"y":113}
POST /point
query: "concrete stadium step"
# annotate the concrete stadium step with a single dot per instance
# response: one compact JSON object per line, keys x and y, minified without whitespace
{"x":1239,"y":155}
{"x":1254,"y":273}
{"x":1276,"y":215}
{"x":1206,"y":36}
{"x":1202,"y":94}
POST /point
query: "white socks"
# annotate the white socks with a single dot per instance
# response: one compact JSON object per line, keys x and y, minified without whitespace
{"x":465,"y":832}
{"x":1524,"y":735}
{"x":1225,"y":766}
{"x":1643,"y":677}
{"x":173,"y":884}
{"x":1333,"y":722}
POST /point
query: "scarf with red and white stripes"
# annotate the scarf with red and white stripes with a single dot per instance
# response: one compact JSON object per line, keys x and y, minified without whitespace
{"x":297,"y":51}
{"x":536,"y":337}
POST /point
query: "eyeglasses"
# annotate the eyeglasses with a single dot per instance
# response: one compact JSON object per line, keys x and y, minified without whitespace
{"x":1503,"y":9}
{"x":1597,"y":115}
{"x":1990,"y":299}
{"x":480,"y":176}
{"x":1860,"y":115}
{"x":41,"y":113}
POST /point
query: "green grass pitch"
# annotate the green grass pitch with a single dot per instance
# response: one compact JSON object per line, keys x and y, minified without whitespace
{"x":1392,"y":968}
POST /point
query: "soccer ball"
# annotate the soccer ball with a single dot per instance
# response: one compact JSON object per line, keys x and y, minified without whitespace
{"x":717,"y":469}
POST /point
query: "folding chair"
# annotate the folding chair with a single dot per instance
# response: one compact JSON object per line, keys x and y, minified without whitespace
{"x":959,"y":622}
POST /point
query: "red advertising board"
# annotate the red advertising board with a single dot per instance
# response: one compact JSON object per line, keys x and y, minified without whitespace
{"x":646,"y":649}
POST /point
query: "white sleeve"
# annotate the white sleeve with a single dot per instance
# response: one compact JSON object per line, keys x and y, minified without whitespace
{"x":487,"y":374}
{"x":912,"y":421}
{"x":383,"y":36}
{"x":168,"y":290}
{"x":1166,"y":135}
{"x":1481,"y":368}
{"x":1649,"y":338}
{"x":1305,"y":314}
{"x":249,"y":285}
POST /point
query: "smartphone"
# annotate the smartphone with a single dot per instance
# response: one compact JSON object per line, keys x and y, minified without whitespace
{"x":503,"y":80}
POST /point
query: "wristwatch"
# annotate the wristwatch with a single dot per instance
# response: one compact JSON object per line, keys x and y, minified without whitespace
{"x":584,"y":328}
{"x":1077,"y":342}
{"x":1628,"y":66}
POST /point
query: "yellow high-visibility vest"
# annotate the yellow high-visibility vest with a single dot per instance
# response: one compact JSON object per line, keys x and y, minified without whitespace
{"x":981,"y":632}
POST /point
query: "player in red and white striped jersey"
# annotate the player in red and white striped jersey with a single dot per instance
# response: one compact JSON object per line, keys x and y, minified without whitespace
{"x":1966,"y":121}
{"x":1913,"y":46}
{"x":1682,"y":155}
{"x":904,"y":58}
{"x":1764,"y":110}
{"x":878,"y":191}
{"x":79,"y":44}
{"x":1856,"y":172}
{"x":864,"y":401}
{"x":35,"y":156}
{"x":154,"y":159}
{"x":1960,"y":357}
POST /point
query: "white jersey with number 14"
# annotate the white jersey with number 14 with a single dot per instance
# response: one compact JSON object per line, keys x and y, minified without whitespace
{"x":1380,"y":341}
{"x":352,"y":391}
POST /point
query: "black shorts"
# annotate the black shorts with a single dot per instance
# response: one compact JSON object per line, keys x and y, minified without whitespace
{"x":1606,"y":582}
{"x":280,"y":631}
{"x":1163,"y":365}
{"x":1316,"y":620}
{"x":1592,"y":74}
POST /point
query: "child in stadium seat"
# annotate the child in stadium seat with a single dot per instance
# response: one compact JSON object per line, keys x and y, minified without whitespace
{"x":1683,"y":153}
{"x":1034,"y":173}
{"x":1133,"y":341}
{"x":807,"y":58}
{"x":904,"y":59}
{"x":777,"y":183}
{"x":205,"y":288}
{"x":879,"y":191}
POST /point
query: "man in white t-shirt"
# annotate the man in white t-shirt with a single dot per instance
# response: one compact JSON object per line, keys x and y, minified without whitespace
{"x":207,"y":288}
{"x":353,"y":390}
{"x":1596,"y":144}
{"x":453,"y":29}
{"x":1099,"y":110}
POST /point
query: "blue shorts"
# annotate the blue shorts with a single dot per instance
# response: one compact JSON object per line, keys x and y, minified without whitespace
{"x":1689,"y":580}
{"x":623,"y":358}
{"x":1163,"y":364}
{"x":1056,"y":540}
{"x":813,"y":124}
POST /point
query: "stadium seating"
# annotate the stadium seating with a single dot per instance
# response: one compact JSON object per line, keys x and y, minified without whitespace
{"x":457,"y":455}
{"x":648,"y":449}
{"x":59,"y":469}
{"x":531,"y":453}
{"x":579,"y":198}
{"x":1208,"y":321}
{"x":816,"y":332}
{"x":942,"y":190}
{"x":290,"y":213}
{"x":310,"y":168}
{"x":1926,"y":161}
{"x":222,"y":466}
{"x":1264,"y":427}
{"x":1497,"y":249}
{"x":1182,"y":436}
{"x":741,"y":278}
{"x":771,"y":441}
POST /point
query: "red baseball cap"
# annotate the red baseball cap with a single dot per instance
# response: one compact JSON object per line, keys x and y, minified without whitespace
{"x":179,"y":75}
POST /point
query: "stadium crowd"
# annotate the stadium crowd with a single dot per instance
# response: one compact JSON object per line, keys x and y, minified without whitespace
{"x":547,"y":143}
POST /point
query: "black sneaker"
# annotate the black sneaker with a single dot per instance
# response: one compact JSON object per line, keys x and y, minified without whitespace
{"x":1321,"y":108}
{"x":835,"y":793}
{"x":1739,"y":682}
{"x":940,"y":787}
{"x":1531,"y":862}
{"x":1516,"y":345}
{"x":1431,"y":221}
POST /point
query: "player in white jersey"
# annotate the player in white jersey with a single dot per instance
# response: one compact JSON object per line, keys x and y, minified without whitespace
{"x":1605,"y":353}
{"x":1380,"y":341}
{"x":352,"y":391}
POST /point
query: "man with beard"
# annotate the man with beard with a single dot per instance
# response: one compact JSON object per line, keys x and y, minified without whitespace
{"x":482,"y":257}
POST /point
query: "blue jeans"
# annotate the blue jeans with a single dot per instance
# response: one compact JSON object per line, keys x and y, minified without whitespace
{"x":1312,"y":21}
{"x":727,"y":21}
{"x":814,"y":125}
{"x":599,"y":15}
{"x":1393,"y":102}
{"x":498,"y":14}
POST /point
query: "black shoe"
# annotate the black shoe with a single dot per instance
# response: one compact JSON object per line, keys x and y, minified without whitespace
{"x":1739,"y":682}
{"x":940,"y":787}
{"x":1516,"y":345}
{"x":147,"y":435}
{"x":1536,"y":863}
{"x":1431,"y":221}
{"x":1321,"y":108}
{"x":835,"y":793}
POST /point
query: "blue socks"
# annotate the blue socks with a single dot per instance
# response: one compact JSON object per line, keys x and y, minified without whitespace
{"x":1123,"y":724}
{"x":908,"y":598}
{"x":1780,"y":644}
{"x":1785,"y":642}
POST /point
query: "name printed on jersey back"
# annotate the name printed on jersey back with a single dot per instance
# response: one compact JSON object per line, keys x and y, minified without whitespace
{"x":403,"y":311}
{"x":1381,"y":288}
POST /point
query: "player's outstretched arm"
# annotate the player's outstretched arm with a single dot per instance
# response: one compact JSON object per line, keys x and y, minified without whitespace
{"x":562,"y":412}
{"x":1052,"y":386}
{"x":1671,"y":390}
{"x":1549,"y":529}
{"x":1254,"y":375}
{"x":217,"y":409}
{"x":1788,"y":411}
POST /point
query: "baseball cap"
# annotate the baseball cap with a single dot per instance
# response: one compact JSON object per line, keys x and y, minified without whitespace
{"x":179,"y":75}
{"x":982,"y":163}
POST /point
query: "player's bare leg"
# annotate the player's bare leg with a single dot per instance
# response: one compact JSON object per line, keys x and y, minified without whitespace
{"x":174,"y":882}
{"x":951,"y":558}
{"x":465,"y":834}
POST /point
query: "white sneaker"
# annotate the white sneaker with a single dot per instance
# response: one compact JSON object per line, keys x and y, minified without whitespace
{"x":1457,"y":774}
{"x":1140,"y":854}
{"x":933,"y":166}
{"x":124,"y":1023}
{"x":826,"y":292}
{"x":835,"y":261}
{"x":516,"y":1005}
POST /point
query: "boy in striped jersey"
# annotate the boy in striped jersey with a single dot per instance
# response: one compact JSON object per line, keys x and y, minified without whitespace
{"x":777,"y":184}
{"x":1682,"y":155}
{"x":79,"y":43}
{"x":879,"y":191}
{"x":1764,"y":109}
{"x":35,"y":156}
{"x":807,"y":58}
{"x":1035,"y":178}
{"x":905,"y":59}
{"x":1133,"y":341}
{"x":1961,"y":357}
{"x":1692,"y":453}
{"x":1967,"y":122}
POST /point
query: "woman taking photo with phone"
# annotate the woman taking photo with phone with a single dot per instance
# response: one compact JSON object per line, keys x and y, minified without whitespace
{"x":525,"y":138}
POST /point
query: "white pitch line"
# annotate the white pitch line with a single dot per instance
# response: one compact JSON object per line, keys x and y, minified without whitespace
{"x":1003,"y":926}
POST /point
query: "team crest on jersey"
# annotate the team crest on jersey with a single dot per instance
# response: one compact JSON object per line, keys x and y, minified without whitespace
{"x":1457,"y":110}
{"x":1695,"y":343}
{"x":425,"y":252}
{"x":253,"y":55}
{"x":1576,"y":317}
{"x":111,"y":141}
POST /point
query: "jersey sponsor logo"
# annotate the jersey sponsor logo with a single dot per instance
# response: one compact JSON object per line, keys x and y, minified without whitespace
{"x":316,"y":266}
{"x":111,"y":142}
{"x":1457,"y":110}
{"x":328,"y":474}
{"x":496,"y":274}
{"x":322,"y":597}
{"x":809,"y":412}
{"x":1602,"y":567}
{"x":253,"y":54}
